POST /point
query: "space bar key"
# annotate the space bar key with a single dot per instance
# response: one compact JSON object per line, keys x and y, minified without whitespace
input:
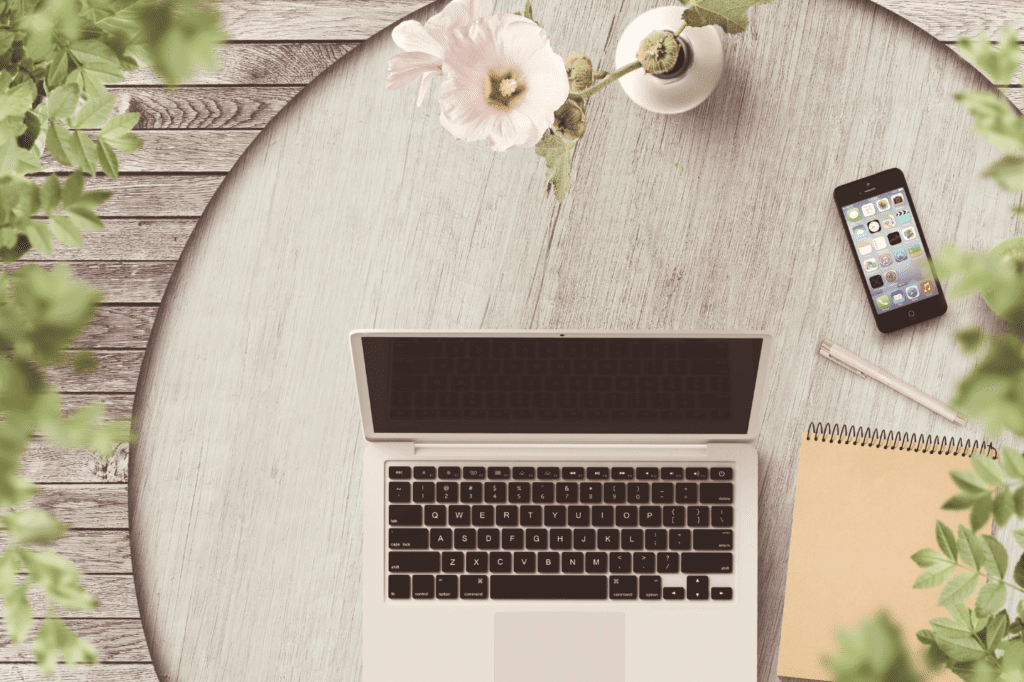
{"x":549,"y":587}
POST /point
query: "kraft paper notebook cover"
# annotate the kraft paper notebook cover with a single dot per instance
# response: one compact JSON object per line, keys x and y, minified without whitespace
{"x":863,"y":505}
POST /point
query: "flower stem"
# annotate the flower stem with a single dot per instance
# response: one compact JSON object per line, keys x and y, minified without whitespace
{"x":609,"y":79}
{"x":680,"y":29}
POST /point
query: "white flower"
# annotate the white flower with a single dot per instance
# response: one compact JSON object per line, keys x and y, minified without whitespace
{"x":424,"y":44}
{"x":504,"y":82}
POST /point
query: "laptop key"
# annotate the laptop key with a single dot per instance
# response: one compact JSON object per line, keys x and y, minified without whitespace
{"x":414,"y":562}
{"x":697,"y":587}
{"x":530,"y":515}
{"x":450,"y":473}
{"x":715,"y":493}
{"x":423,"y":473}
{"x":590,"y":493}
{"x":572,"y":562}
{"x":647,"y":473}
{"x":500,"y":562}
{"x":483,"y":515}
{"x":579,"y":516}
{"x":643,"y":562}
{"x":407,"y":538}
{"x":544,"y":492}
{"x":608,"y":539}
{"x":473,"y":586}
{"x":537,"y":539}
{"x":465,"y":539}
{"x":507,"y":515}
{"x":662,"y":493}
{"x":561,"y":539}
{"x":655,"y":538}
{"x":524,"y":473}
{"x":547,"y":562}
{"x":603,"y":516}
{"x":623,"y":473}
{"x":674,"y":593}
{"x":488,"y":538}
{"x":596,"y":562}
{"x":512,"y":538}
{"x":672,"y":473}
{"x":572,"y":472}
{"x":626,"y":516}
{"x":435,"y":514}
{"x":697,"y":516}
{"x":524,"y":562}
{"x":623,"y":587}
{"x":495,"y":493}
{"x":638,"y":493}
{"x":615,"y":493}
{"x":399,"y":492}
{"x":721,"y":593}
{"x":706,"y":562}
{"x":721,"y":516}
{"x":584,"y":538}
{"x":398,"y":586}
{"x":674,"y":517}
{"x":549,"y":587}
{"x":471,"y":492}
{"x":712,"y":539}
{"x":568,"y":493}
{"x":679,"y":539}
{"x":459,"y":515}
{"x":447,"y":586}
{"x":405,"y":515}
{"x":475,"y":473}
{"x":696,"y":474}
{"x":650,"y":587}
{"x":650,"y":516}
{"x":447,"y":492}
{"x":721,"y":474}
{"x":441,"y":538}
{"x":597,"y":473}
{"x":423,"y":492}
{"x":668,"y":562}
{"x":399,"y":472}
{"x":476,"y":562}
{"x":499,"y":473}
{"x":686,"y":493}
{"x":519,"y":492}
{"x":453,"y":562}
{"x":620,"y":562}
{"x":547,"y":473}
{"x":632,"y":538}
{"x":554,"y":515}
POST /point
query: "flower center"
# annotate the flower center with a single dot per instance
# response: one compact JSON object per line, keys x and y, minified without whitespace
{"x":503,"y":89}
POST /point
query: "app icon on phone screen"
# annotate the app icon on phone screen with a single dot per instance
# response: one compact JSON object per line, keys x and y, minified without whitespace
{"x":883,"y":204}
{"x":870,"y":264}
{"x":868,"y":210}
{"x":915,"y":251}
{"x":852,"y":215}
{"x":888,"y":222}
{"x":859,"y":231}
{"x":874,"y":226}
{"x":883,"y":302}
{"x":913,"y":292}
{"x":878,"y":243}
{"x":927,"y":288}
{"x":898,"y":199}
{"x":885,"y":260}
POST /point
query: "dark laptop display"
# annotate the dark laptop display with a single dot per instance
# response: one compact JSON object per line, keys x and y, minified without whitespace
{"x":561,"y":385}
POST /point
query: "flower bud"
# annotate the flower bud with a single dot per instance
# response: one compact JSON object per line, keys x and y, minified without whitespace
{"x":580,"y":71}
{"x":570,"y":121}
{"x":659,"y":52}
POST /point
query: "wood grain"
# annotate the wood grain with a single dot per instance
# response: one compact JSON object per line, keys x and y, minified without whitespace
{"x":126,"y":239}
{"x":454,"y":236}
{"x":93,"y":551}
{"x":118,"y":672}
{"x":206,"y":107}
{"x":44,"y":463}
{"x":155,"y":196}
{"x":172,"y":151}
{"x":124,"y":281}
{"x":117,"y":406}
{"x":116,"y":594}
{"x":86,"y":506}
{"x":116,"y":641}
{"x":117,"y":372}
{"x":119,"y":327}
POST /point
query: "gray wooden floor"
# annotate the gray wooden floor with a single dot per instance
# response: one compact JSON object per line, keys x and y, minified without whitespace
{"x":193,"y":137}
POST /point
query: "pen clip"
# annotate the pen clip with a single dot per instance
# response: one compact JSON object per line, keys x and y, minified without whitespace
{"x":824,"y":353}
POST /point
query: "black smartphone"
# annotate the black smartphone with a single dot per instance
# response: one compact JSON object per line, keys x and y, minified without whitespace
{"x":888,"y":245}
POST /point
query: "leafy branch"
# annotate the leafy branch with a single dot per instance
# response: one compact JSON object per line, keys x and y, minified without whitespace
{"x":56,"y":57}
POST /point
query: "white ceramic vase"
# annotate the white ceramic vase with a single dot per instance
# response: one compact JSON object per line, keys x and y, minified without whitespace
{"x":671,"y":95}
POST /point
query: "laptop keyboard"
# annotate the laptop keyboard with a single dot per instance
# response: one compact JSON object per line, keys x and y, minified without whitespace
{"x":485,"y":531}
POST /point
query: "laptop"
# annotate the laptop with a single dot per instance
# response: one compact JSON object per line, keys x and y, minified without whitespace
{"x":560,"y":506}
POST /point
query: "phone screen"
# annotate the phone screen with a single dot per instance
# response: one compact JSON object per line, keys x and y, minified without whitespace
{"x":892,"y":256}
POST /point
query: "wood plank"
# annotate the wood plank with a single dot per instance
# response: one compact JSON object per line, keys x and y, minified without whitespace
{"x":118,"y":372}
{"x":156,"y":196}
{"x":44,"y":462}
{"x":126,"y":239}
{"x":118,"y":672}
{"x":116,"y":594}
{"x":94,"y":551}
{"x":95,"y":506}
{"x":1015,"y":95}
{"x":947,"y":20}
{"x":267,"y":63}
{"x":204,"y":107}
{"x":124,"y":281}
{"x":119,"y":327}
{"x":305,"y":20}
{"x":177,"y":151}
{"x":119,"y":406}
{"x":116,"y":641}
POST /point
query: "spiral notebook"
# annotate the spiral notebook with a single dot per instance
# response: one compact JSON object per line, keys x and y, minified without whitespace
{"x":865,"y":501}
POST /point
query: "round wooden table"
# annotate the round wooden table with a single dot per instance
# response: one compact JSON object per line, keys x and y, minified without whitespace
{"x":356,"y":209}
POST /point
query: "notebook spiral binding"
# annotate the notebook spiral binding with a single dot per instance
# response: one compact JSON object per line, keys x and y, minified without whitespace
{"x":897,"y":440}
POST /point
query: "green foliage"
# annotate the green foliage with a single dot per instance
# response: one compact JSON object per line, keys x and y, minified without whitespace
{"x":998,"y":62}
{"x":56,"y":57}
{"x":731,"y":15}
{"x":980,"y":643}
{"x":557,"y":154}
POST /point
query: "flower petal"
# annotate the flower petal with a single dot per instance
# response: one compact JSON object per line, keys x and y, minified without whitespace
{"x":412,"y":37}
{"x":425,"y":85}
{"x":405,"y":67}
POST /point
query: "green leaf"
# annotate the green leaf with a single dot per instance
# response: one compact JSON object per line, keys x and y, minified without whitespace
{"x":947,"y":541}
{"x":180,"y":38}
{"x":996,"y":630}
{"x":14,"y":159}
{"x":64,"y":229}
{"x":1019,"y":535}
{"x":861,"y":651}
{"x":62,"y":101}
{"x":95,"y":112}
{"x":994,"y":118}
{"x":556,"y":153}
{"x":969,"y":482}
{"x":53,"y":638}
{"x":981,"y":512}
{"x":929,"y":557}
{"x":1000,"y":559}
{"x":49,"y":193}
{"x":988,"y":469}
{"x":73,"y":186}
{"x":58,"y":140}
{"x":33,"y":526}
{"x":934,"y":576}
{"x":15,"y":490}
{"x":731,"y":15}
{"x":108,"y":158}
{"x":1018,"y":574}
{"x":1008,"y":172}
{"x":969,"y":339}
{"x":1013,"y":462}
{"x":528,"y":10}
{"x":1000,"y":62}
{"x":1002,"y":507}
{"x":84,"y":146}
{"x":95,"y":56}
{"x":120,"y":124}
{"x":18,"y":614}
{"x":125,"y":142}
{"x":38,"y":236}
{"x":1018,"y":501}
{"x":58,"y":71}
{"x":58,"y":578}
{"x":961,"y":501}
{"x":991,"y":598}
{"x":14,"y":102}
{"x":956,"y":640}
{"x":972,"y":551}
{"x":959,"y":588}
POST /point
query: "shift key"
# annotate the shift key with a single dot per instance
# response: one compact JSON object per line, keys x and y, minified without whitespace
{"x":405,"y":515}
{"x":414,"y":562}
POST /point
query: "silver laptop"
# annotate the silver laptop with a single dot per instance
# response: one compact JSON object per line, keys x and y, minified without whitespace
{"x":560,"y":506}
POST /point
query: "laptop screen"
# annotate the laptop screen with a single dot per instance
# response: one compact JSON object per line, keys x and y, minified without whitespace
{"x":527,"y":385}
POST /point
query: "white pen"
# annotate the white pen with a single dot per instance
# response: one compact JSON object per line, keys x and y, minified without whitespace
{"x":841,"y":356}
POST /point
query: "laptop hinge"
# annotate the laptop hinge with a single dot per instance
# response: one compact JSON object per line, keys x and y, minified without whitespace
{"x":694,"y":450}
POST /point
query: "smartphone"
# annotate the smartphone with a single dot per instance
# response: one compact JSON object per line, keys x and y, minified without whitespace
{"x":888,"y":245}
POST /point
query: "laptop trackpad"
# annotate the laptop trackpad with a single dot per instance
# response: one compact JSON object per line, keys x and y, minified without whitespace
{"x":554,"y":647}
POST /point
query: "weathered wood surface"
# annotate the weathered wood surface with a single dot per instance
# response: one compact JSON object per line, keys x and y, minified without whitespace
{"x":116,"y":640}
{"x":194,"y":136}
{"x":439,"y":246}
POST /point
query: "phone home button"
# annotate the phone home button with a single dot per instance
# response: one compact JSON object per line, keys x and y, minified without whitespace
{"x":910,"y":313}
